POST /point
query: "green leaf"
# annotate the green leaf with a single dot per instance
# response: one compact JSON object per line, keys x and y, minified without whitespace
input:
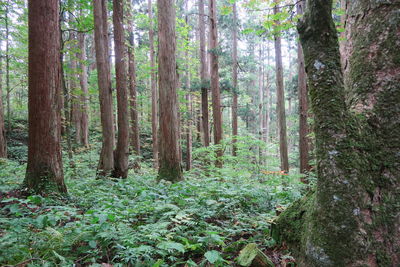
{"x":169,"y":245}
{"x":213,"y":256}
{"x":92,"y":244}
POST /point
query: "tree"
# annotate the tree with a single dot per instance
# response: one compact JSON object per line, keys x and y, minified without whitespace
{"x":352,"y":218}
{"x":216,"y":94}
{"x":283,"y":148}
{"x":135,"y":140}
{"x":303,"y":102}
{"x":170,"y":167}
{"x":154,"y":93}
{"x":203,"y":76}
{"x":234,"y":81}
{"x":106,"y":162}
{"x":3,"y":143}
{"x":44,"y":171}
{"x":83,"y":76}
{"x":122,"y":150}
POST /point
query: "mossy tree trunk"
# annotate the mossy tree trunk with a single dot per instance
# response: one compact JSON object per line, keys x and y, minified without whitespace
{"x":353,"y":218}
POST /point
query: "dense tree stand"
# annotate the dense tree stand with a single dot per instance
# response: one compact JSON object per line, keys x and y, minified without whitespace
{"x":353,"y":217}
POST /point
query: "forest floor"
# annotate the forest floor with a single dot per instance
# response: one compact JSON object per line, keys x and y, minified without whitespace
{"x":203,"y":221}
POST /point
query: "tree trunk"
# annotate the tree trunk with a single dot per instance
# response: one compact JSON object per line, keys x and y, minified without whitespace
{"x":303,"y":102}
{"x":3,"y":143}
{"x":8,"y":88}
{"x":122,"y":150}
{"x":75,"y":92}
{"x":106,"y":163}
{"x":283,"y":148}
{"x":203,"y":76}
{"x":189,"y":105}
{"x":260,"y":101}
{"x":44,"y":171}
{"x":235,"y":82}
{"x":189,"y":141}
{"x":353,"y":217}
{"x":84,"y":98}
{"x":154,"y":93}
{"x":216,"y":94}
{"x":135,"y":138}
{"x":267,"y":100}
{"x":170,"y":167}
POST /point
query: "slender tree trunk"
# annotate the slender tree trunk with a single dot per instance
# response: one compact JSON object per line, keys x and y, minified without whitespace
{"x":8,"y":88}
{"x":267,"y":100}
{"x":260,"y":99}
{"x":189,"y":141}
{"x":283,"y":148}
{"x":189,"y":105}
{"x":122,"y":150}
{"x":44,"y":171}
{"x":3,"y":143}
{"x":235,"y":82}
{"x":216,"y":95}
{"x":303,"y":103}
{"x":203,"y":76}
{"x":106,"y":163}
{"x":75,"y":91}
{"x":170,"y":166}
{"x":135,"y":139}
{"x":84,"y":98}
{"x":154,"y":93}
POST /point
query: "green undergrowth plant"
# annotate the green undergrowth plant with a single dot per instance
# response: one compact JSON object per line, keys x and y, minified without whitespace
{"x":205,"y":219}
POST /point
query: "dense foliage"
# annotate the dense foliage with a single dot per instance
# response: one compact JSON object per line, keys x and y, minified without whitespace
{"x":208,"y":218}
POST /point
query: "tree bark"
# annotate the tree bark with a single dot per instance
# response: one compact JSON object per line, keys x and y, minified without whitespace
{"x":283,"y":147}
{"x":216,"y":94}
{"x":75,"y":91}
{"x":203,"y":76}
{"x":106,"y":162}
{"x":8,"y":88}
{"x":44,"y":171}
{"x":154,"y":93}
{"x":3,"y":143}
{"x":260,"y":101}
{"x":170,"y":167}
{"x":84,"y":97}
{"x":303,"y":102}
{"x":235,"y":82}
{"x":122,"y":150}
{"x":353,"y":217}
{"x":135,"y":138}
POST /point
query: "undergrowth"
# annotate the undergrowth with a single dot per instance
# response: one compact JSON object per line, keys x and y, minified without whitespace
{"x":206,"y":219}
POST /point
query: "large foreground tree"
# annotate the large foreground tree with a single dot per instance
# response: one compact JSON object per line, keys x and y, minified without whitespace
{"x":170,"y":166}
{"x":353,"y":218}
{"x":44,"y":172}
